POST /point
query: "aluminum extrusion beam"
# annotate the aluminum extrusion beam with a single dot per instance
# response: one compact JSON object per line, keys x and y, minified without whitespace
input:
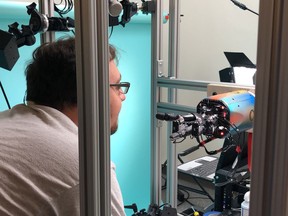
{"x":174,"y":21}
{"x":269,"y":181}
{"x":183,"y":84}
{"x":156,"y":61}
{"x":174,"y":108}
{"x":93,"y":104}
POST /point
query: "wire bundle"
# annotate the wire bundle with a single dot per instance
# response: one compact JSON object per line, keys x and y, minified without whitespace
{"x":68,"y":6}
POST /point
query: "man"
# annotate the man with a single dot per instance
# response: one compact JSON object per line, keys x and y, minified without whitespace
{"x":39,"y":140}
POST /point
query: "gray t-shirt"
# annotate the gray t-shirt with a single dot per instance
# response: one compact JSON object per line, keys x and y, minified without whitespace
{"x":39,"y":165}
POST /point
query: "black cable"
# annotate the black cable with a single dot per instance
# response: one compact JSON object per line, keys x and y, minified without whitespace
{"x":202,"y":188}
{"x":24,"y":98}
{"x":112,"y":28}
{"x":183,"y":199}
{"x":6,"y":99}
{"x":68,"y":6}
{"x":180,"y":159}
{"x":242,"y":6}
{"x":188,"y":194}
{"x":179,"y":141}
{"x":163,"y":187}
{"x":178,"y":204}
{"x":60,"y":14}
{"x":187,"y":152}
{"x":164,"y":204}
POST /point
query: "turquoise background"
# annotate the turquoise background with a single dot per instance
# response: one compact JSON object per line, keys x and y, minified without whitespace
{"x":130,"y":146}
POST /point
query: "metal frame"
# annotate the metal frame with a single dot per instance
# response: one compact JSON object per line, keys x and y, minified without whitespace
{"x":93,"y":106}
{"x":94,"y":128}
{"x":173,"y":67}
{"x":156,"y":67}
{"x":271,"y":88}
{"x":172,"y":107}
{"x":269,"y":162}
{"x":269,"y":195}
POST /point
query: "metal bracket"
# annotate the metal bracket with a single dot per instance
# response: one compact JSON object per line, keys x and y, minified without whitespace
{"x":160,"y":68}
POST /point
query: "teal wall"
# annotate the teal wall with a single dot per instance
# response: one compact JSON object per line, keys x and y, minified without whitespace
{"x":14,"y":81}
{"x":130,"y":146}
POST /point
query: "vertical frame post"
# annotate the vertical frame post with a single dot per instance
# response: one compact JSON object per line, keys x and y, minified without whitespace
{"x":269,"y":183}
{"x":156,"y":59}
{"x":93,"y":103}
{"x":172,"y":175}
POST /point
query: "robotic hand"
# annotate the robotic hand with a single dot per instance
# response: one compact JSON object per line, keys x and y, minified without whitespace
{"x":217,"y":117}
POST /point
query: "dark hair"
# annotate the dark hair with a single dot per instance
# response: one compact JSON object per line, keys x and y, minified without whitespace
{"x":113,"y":55}
{"x":51,"y":75}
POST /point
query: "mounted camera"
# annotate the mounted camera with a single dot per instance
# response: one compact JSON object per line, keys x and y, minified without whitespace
{"x":128,"y":9}
{"x":40,"y":23}
{"x":15,"y":37}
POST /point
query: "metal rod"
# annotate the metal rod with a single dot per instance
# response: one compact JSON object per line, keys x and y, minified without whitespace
{"x":5,"y":96}
{"x":93,"y":104}
{"x":174,"y":108}
{"x":172,"y":176}
{"x":269,"y":180}
{"x":157,"y":44}
{"x":47,"y":7}
{"x":184,"y":84}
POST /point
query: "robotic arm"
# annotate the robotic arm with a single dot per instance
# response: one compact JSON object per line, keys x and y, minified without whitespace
{"x":217,"y":116}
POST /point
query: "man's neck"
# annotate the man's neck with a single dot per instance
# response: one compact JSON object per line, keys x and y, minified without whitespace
{"x":71,"y":112}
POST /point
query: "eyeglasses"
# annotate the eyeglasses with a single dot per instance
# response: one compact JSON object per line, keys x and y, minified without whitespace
{"x":122,"y":86}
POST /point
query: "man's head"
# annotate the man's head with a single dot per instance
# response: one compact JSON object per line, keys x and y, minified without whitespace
{"x":51,"y":75}
{"x":51,"y":79}
{"x":116,"y":93}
